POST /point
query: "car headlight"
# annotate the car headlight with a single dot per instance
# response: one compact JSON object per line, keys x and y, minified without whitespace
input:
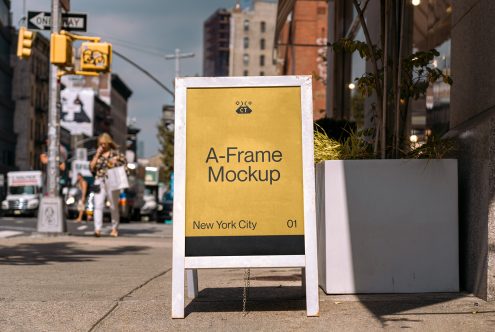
{"x":70,"y":200}
{"x":160,"y":207}
{"x":5,"y":205}
{"x":33,"y":204}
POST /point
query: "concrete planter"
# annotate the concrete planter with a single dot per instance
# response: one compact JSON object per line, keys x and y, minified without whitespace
{"x":387,"y":226}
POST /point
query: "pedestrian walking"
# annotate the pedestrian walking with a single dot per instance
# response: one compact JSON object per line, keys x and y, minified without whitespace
{"x":107,"y":156}
{"x":82,"y":185}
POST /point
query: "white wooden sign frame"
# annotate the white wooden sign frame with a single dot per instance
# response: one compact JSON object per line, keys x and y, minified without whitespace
{"x":180,"y":263}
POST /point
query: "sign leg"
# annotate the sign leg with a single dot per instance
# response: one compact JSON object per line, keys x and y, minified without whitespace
{"x":192,"y":283}
{"x":312,"y":296}
{"x":177,"y":292}
{"x":303,"y":279}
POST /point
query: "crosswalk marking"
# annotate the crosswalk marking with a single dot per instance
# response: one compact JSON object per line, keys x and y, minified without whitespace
{"x":6,"y":234}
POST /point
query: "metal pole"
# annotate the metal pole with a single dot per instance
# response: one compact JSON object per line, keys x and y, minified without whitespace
{"x":50,"y":215}
{"x":177,"y":64}
{"x":53,"y":115}
{"x":385,"y":84}
{"x":177,"y":56}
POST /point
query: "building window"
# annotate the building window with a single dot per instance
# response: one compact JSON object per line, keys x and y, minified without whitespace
{"x":246,"y":42}
{"x":274,"y":61}
{"x":262,"y":60}
{"x":262,"y":73}
{"x":245,"y":59}
{"x":263,"y":26}
{"x":262,"y":43}
{"x":246,"y":73}
{"x":246,"y":25}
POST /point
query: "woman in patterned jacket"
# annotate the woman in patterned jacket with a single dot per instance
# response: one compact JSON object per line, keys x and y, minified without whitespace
{"x":107,"y":156}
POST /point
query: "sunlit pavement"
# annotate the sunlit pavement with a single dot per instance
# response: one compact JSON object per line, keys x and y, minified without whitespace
{"x":83,"y":283}
{"x":19,"y":226}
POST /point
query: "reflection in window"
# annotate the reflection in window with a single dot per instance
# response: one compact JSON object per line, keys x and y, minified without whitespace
{"x":246,"y":42}
{"x":245,"y":59}
{"x":246,"y":25}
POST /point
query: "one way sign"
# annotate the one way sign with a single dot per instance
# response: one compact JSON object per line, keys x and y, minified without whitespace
{"x":70,"y":21}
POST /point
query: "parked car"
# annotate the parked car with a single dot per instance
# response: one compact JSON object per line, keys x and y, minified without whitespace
{"x":165,"y":208}
{"x":24,"y":191}
{"x":149,"y":209}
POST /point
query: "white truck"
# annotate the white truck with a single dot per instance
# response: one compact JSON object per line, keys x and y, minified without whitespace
{"x":24,"y":190}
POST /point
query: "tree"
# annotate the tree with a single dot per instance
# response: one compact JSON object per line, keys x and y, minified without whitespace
{"x":395,"y":77}
{"x":166,"y":139}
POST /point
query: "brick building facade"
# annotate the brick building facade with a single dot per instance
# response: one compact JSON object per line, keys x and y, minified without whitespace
{"x":301,"y":34}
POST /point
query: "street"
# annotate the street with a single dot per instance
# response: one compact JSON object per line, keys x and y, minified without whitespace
{"x":19,"y":226}
{"x":83,"y":283}
{"x":276,"y":165}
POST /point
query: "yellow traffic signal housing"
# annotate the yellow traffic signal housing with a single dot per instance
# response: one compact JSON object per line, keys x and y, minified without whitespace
{"x":61,"y":50}
{"x":24,"y":43}
{"x":96,"y":57}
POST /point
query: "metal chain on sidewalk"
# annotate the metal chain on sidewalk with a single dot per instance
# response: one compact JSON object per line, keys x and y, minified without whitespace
{"x":247,"y":284}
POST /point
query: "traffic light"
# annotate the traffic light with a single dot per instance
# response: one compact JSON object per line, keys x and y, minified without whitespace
{"x":61,"y":50}
{"x":96,"y":57}
{"x":24,"y":43}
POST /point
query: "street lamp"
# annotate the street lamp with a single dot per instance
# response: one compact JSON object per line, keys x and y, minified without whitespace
{"x":177,"y":56}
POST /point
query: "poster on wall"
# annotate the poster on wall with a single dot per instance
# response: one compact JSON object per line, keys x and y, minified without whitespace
{"x":77,"y":111}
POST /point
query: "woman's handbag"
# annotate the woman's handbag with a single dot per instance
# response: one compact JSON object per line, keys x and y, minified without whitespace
{"x":117,"y":178}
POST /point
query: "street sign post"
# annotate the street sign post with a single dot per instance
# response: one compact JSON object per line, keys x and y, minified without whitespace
{"x":51,"y":218}
{"x":70,"y":21}
{"x":244,"y":179}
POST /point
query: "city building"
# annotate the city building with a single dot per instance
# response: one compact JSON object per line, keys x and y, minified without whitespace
{"x":472,"y":122}
{"x":132,"y":143}
{"x":252,"y":33}
{"x":216,"y":37}
{"x":301,"y":38}
{"x":7,"y":134}
{"x":120,"y":94}
{"x":461,"y":33}
{"x":94,"y":105}
{"x":30,"y":93}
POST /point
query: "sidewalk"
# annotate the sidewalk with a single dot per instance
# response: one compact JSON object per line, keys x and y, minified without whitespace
{"x":70,"y":283}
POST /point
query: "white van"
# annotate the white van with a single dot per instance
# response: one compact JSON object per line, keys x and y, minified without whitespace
{"x":24,"y":190}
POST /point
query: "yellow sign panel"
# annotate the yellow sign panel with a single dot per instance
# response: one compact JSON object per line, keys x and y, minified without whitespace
{"x":244,"y":162}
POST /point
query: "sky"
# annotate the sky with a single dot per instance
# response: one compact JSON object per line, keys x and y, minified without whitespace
{"x":144,"y":31}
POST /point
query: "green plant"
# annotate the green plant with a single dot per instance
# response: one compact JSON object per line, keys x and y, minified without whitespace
{"x":358,"y":146}
{"x":434,"y":149}
{"x":395,"y":78}
{"x":355,"y":146}
{"x":166,"y":138}
{"x":325,"y":148}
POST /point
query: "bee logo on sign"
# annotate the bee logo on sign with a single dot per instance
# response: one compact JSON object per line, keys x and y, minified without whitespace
{"x":244,"y":190}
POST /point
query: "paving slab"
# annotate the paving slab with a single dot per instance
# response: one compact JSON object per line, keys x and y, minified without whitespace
{"x":70,"y":283}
